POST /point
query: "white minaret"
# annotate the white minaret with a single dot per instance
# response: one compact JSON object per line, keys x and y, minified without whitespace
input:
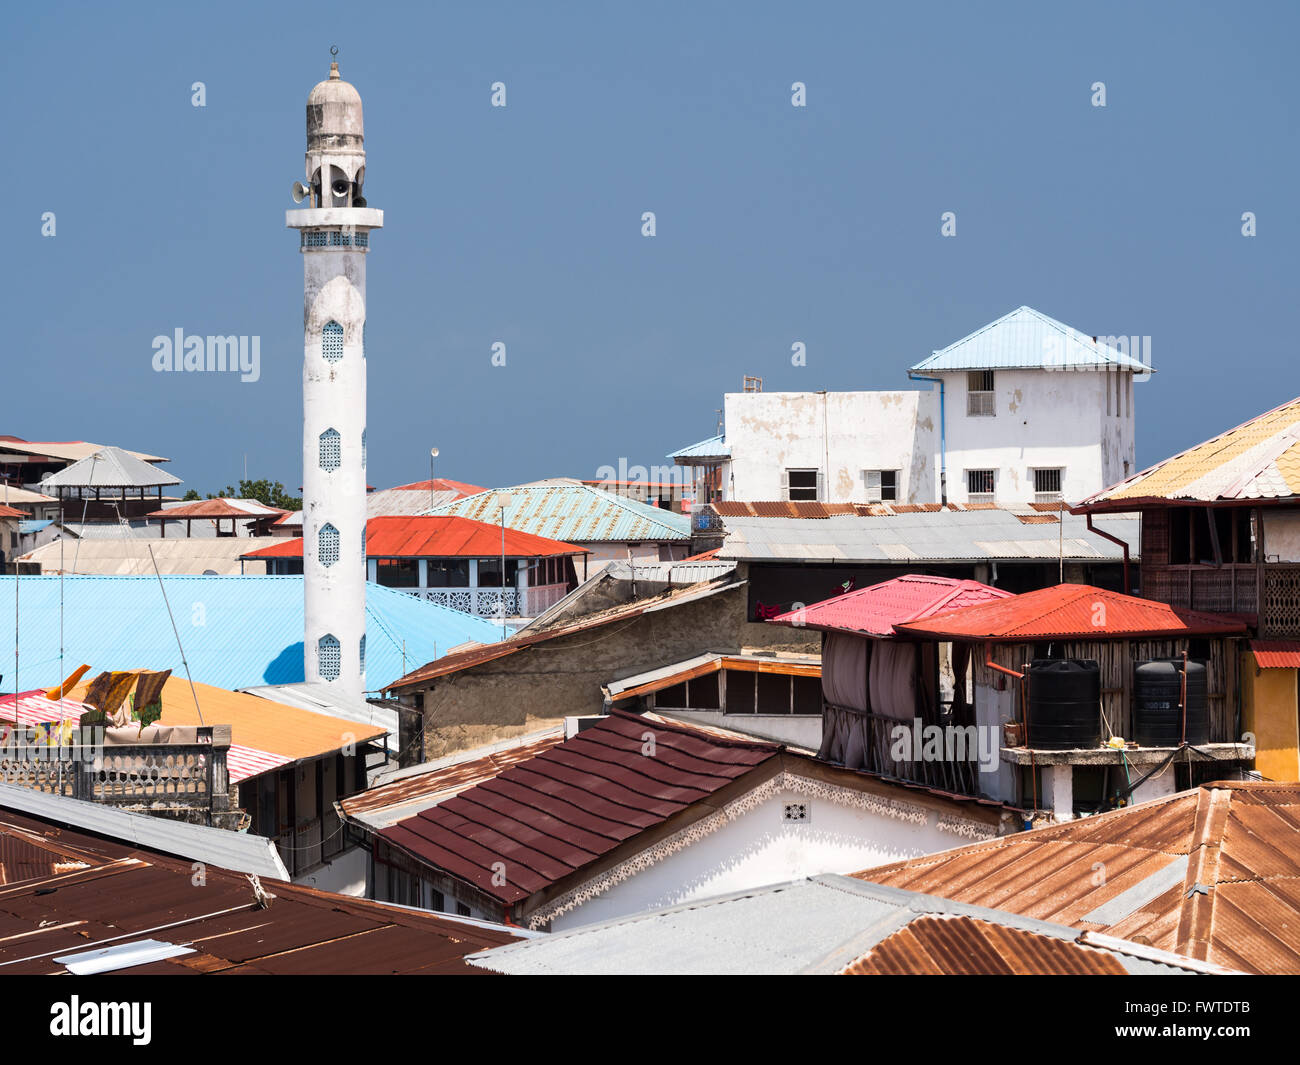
{"x":335,"y":232}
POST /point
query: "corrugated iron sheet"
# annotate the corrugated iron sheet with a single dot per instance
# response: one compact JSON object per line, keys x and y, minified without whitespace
{"x":950,"y":945}
{"x":573,"y":512}
{"x":876,"y":610}
{"x":1065,"y":610}
{"x":1258,"y":460}
{"x":1084,"y":872}
{"x":1276,"y":654}
{"x":548,"y":817}
{"x":1028,"y":339}
{"x":110,"y":467}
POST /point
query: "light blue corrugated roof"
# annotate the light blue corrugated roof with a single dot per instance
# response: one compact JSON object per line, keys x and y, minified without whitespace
{"x":1026,"y":339}
{"x":30,"y":525}
{"x":715,"y":447}
{"x":238,"y":631}
{"x":568,"y":510}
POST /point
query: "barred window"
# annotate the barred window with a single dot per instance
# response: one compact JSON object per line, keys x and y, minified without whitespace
{"x":331,"y":341}
{"x":979,"y":392}
{"x":329,"y":658}
{"x":331,"y":449}
{"x":328,"y":549}
{"x":1047,"y":486}
{"x":980,"y":485}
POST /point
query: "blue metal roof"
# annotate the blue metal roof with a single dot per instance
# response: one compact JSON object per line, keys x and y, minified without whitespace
{"x":238,"y":631}
{"x":1025,"y":339}
{"x":567,"y":510}
{"x":715,"y":447}
{"x":31,"y":525}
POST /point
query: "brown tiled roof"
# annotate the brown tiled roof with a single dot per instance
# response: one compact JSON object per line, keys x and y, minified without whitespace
{"x":545,"y":818}
{"x":1213,"y":874}
{"x":302,"y":931}
{"x":953,"y":945}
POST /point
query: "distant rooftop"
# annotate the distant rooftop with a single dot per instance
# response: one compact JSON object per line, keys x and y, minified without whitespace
{"x":109,"y":467}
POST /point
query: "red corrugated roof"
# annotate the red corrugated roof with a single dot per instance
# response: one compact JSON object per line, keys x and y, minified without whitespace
{"x":543,"y":819}
{"x":10,"y":512}
{"x":1078,"y":610}
{"x":876,"y":610}
{"x":440,"y":484}
{"x":1276,"y":654}
{"x":445,"y":536}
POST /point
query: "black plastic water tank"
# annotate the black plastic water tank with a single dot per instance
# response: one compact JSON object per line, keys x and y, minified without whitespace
{"x":1064,"y":703}
{"x":1157,"y":703}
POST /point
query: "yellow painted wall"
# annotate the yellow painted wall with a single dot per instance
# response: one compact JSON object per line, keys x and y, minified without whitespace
{"x":1269,"y":711}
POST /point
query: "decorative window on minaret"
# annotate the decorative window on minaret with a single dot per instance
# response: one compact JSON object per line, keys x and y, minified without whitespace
{"x":329,"y":658}
{"x":331,"y":342}
{"x":363,"y":654}
{"x":331,"y":449}
{"x":328,"y":548}
{"x":363,"y":449}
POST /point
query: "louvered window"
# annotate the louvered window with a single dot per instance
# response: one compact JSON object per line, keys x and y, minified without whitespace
{"x":331,"y":342}
{"x":979,"y":393}
{"x":331,"y":449}
{"x":329,"y":659}
{"x":328,"y":550}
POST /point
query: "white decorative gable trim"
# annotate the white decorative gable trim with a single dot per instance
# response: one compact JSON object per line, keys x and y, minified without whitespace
{"x":898,"y":809}
{"x":966,"y":828}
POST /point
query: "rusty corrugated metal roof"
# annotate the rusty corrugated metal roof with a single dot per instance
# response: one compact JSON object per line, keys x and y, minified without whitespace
{"x":302,"y":930}
{"x":1070,"y":610}
{"x":1210,"y":874}
{"x":544,"y":819}
{"x":1258,"y":460}
{"x":953,"y":945}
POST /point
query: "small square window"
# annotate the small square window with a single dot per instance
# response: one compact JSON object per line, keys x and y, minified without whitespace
{"x":882,"y":485}
{"x":802,"y":484}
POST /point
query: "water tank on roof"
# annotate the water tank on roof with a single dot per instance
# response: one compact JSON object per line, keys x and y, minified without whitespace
{"x":1064,"y":703}
{"x":1158,"y":703}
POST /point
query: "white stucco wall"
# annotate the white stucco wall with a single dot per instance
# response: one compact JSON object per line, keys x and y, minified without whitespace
{"x":1282,"y":535}
{"x":843,"y":432}
{"x":1080,"y":422}
{"x":759,"y":848}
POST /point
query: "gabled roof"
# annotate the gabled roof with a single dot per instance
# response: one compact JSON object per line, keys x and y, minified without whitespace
{"x":473,"y":656}
{"x":1026,"y":339}
{"x":876,"y":610}
{"x":825,"y":925}
{"x":715,"y":447}
{"x":251,"y":631}
{"x":67,"y":450}
{"x":418,"y":497}
{"x":440,"y":484}
{"x":217,"y":508}
{"x":1070,"y":610}
{"x":1257,"y":461}
{"x":550,"y":816}
{"x":10,"y":512}
{"x":115,"y":890}
{"x":442,"y":536}
{"x":568,"y":510}
{"x":1211,"y":873}
{"x":411,"y":791}
{"x":109,"y":467}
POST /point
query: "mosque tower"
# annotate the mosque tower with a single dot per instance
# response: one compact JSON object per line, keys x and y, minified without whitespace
{"x":335,"y":236}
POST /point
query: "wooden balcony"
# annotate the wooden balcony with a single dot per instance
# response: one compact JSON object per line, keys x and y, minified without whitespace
{"x":1232,"y":589}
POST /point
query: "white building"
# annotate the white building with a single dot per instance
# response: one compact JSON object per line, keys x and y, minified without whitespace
{"x":1024,"y":410}
{"x":335,"y":239}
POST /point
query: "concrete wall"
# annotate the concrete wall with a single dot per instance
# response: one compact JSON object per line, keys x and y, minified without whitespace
{"x":1269,"y":710}
{"x":845,"y":432}
{"x":760,"y":848}
{"x":540,"y":685}
{"x":1282,"y":534}
{"x":1081,"y":422}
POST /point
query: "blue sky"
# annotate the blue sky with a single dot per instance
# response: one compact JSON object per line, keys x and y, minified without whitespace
{"x":522,"y":224}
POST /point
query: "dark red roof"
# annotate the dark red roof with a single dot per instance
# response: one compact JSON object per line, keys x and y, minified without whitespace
{"x":1071,"y":610}
{"x":560,"y":811}
{"x":442,"y":536}
{"x":876,"y":610}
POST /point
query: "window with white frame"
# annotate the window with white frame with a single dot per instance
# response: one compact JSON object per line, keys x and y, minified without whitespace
{"x":803,"y":485}
{"x":980,"y":485}
{"x":979,"y":393}
{"x":882,"y":485}
{"x":1047,"y":485}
